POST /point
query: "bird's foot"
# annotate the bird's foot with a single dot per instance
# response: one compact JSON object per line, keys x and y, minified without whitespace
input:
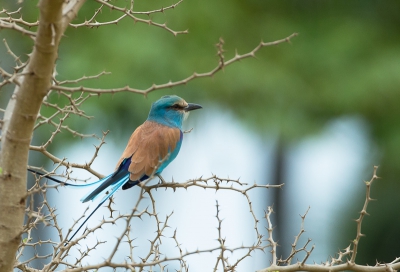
{"x":162,"y":181}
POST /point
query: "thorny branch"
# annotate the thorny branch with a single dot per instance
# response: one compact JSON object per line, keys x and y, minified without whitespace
{"x":363,"y":212}
{"x":130,"y":13}
{"x":220,"y":66}
{"x":157,"y":258}
{"x":296,"y":240}
{"x":45,"y":215}
{"x":336,"y":264}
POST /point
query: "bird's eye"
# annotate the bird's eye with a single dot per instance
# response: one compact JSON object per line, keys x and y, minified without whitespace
{"x":176,"y":106}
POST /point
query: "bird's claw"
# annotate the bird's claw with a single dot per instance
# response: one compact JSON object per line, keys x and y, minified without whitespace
{"x":162,"y":181}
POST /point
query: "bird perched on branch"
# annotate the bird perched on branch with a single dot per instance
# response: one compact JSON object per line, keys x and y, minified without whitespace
{"x":152,"y":146}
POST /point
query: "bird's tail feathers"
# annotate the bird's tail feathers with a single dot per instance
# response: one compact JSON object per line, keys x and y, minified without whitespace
{"x":107,"y":181}
{"x":62,"y":182}
{"x":84,"y":222}
{"x":114,"y":180}
{"x":114,"y":188}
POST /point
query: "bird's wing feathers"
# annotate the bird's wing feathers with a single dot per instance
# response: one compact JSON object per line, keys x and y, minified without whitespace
{"x":149,"y":145}
{"x":149,"y":150}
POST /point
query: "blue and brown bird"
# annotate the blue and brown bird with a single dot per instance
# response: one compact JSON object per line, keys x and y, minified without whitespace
{"x":150,"y":149}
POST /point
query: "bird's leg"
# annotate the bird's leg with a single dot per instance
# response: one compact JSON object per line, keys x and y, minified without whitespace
{"x":161,"y":179}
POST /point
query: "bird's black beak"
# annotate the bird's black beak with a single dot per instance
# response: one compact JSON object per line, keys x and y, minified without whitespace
{"x":192,"y":106}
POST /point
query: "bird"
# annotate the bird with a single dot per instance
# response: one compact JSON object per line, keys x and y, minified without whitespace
{"x":150,"y":149}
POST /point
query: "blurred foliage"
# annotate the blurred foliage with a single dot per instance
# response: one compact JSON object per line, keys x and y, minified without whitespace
{"x":346,"y":61}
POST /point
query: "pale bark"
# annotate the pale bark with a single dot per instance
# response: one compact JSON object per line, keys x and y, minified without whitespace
{"x":19,"y":120}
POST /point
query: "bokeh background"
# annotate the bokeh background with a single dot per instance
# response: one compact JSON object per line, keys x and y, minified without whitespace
{"x":315,"y":114}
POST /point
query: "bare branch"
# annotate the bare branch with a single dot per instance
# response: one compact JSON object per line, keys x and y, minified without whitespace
{"x":128,"y":13}
{"x":296,"y":240}
{"x":36,"y":85}
{"x":363,"y":212}
{"x":14,"y":26}
{"x":171,"y":84}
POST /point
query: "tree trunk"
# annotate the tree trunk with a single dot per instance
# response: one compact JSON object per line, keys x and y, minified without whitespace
{"x":19,"y":120}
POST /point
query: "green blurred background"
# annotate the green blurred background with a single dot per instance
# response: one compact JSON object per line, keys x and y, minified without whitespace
{"x":344,"y":63}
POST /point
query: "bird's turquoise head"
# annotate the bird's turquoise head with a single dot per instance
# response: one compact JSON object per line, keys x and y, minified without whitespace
{"x":171,"y":110}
